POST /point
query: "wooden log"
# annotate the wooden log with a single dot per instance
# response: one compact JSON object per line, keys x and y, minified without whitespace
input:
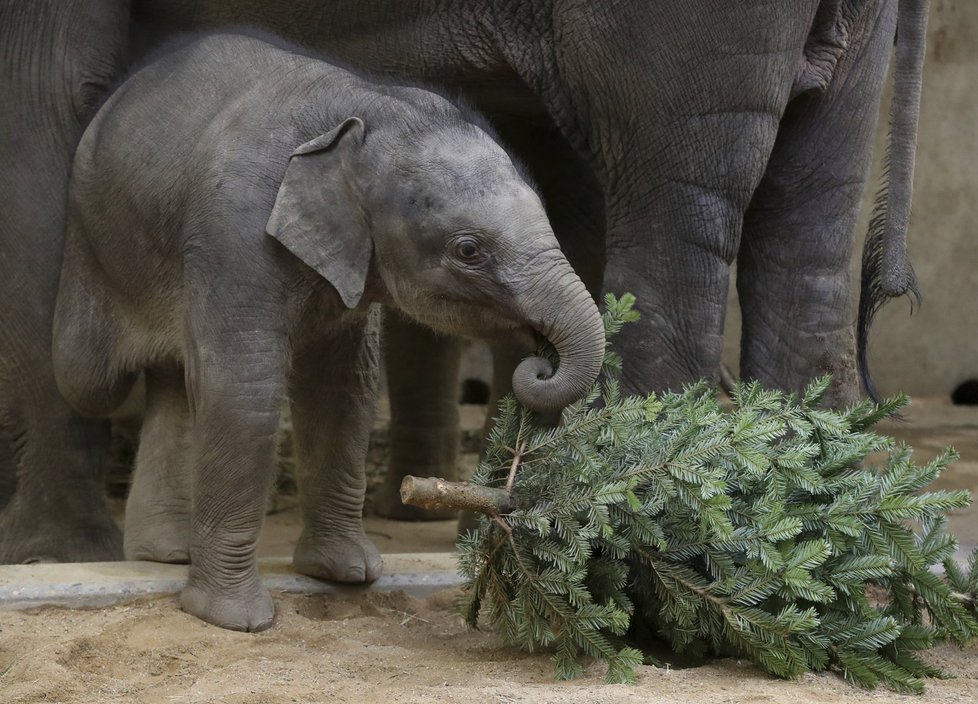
{"x":432,"y":492}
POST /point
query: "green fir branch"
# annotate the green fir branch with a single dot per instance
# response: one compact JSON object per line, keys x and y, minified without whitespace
{"x":752,"y":530}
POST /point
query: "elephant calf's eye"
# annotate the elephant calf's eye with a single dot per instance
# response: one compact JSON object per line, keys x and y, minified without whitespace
{"x":468,"y":251}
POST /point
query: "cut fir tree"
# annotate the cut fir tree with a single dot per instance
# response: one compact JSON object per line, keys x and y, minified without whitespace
{"x":756,"y":530}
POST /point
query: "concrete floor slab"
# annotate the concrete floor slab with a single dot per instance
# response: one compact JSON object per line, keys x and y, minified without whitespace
{"x":95,"y":584}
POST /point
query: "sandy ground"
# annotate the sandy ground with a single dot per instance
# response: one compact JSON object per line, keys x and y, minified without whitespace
{"x":384,"y":648}
{"x":394,"y":648}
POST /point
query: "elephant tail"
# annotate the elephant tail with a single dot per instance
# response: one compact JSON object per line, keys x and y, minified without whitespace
{"x":886,"y":269}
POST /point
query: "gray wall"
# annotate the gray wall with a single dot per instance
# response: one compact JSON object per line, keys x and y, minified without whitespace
{"x":932,"y":351}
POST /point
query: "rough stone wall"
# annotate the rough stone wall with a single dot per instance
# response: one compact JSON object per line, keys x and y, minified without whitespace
{"x":935,"y":349}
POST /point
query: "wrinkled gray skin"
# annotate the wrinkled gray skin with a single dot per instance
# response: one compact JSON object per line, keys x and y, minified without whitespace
{"x":669,"y":139}
{"x":235,"y":209}
{"x":56,"y":58}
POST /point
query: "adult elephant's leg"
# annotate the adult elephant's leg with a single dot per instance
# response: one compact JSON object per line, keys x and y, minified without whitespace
{"x":680,"y":125}
{"x":794,"y":264}
{"x":56,"y":57}
{"x":236,"y":385}
{"x":8,"y":472}
{"x":422,"y":383}
{"x":333,"y":407}
{"x":58,"y":511}
{"x":158,"y":508}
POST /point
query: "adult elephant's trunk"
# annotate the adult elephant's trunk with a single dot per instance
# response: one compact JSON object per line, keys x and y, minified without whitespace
{"x":561,"y":309}
{"x":886,"y":270}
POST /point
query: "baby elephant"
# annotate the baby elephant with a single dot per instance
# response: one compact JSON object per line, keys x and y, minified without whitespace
{"x":235,"y":209}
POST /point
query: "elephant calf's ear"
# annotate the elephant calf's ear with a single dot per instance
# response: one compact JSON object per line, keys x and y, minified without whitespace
{"x":317,"y":213}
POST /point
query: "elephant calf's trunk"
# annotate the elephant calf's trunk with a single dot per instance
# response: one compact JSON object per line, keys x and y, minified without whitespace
{"x":577,"y":333}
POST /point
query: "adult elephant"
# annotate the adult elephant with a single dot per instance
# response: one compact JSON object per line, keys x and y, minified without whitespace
{"x":56,"y":58}
{"x":689,"y":134}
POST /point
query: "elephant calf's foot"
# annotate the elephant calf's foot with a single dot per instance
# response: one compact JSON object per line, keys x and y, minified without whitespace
{"x":159,"y":541}
{"x":340,"y":558}
{"x":242,"y":606}
{"x":27,"y":537}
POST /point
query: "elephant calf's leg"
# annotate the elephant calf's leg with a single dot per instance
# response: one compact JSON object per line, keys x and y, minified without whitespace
{"x":236,"y":387}
{"x":332,"y":412}
{"x":88,"y":336}
{"x":158,"y":509}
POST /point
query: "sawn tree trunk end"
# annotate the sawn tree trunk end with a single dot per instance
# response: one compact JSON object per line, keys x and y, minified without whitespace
{"x":432,"y":492}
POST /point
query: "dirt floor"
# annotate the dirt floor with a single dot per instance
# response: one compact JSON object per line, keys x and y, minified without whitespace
{"x":384,"y":648}
{"x":394,"y":648}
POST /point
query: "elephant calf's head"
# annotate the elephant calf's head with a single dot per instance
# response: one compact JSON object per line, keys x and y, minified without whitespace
{"x":460,"y":240}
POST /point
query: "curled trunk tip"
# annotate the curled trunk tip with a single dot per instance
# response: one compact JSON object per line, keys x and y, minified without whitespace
{"x":559,"y":307}
{"x":581,"y":352}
